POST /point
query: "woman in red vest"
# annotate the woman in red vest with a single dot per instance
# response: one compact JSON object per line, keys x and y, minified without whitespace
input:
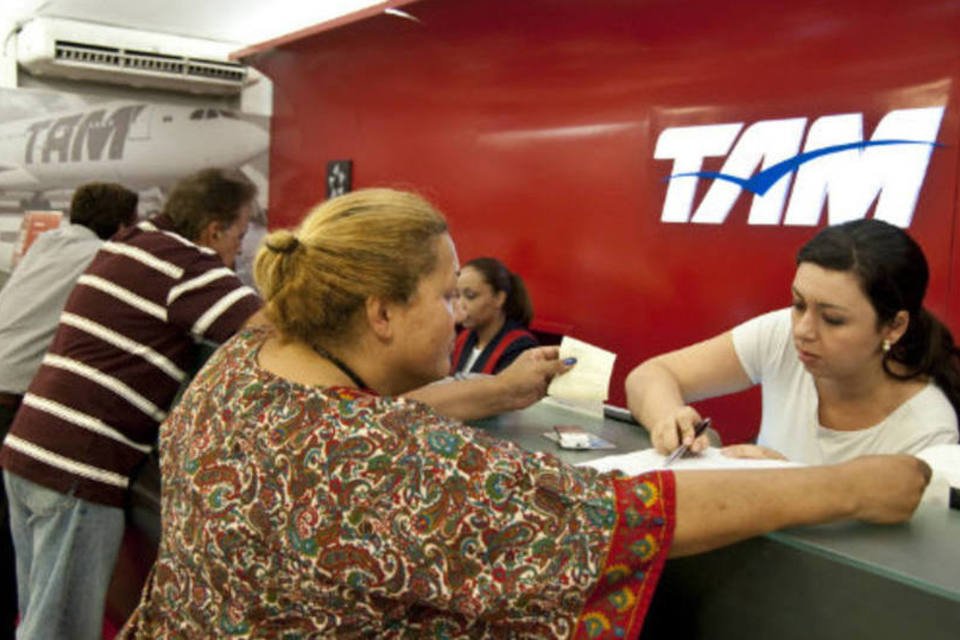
{"x":496,"y":312}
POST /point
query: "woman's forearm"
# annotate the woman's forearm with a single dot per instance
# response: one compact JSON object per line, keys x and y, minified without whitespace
{"x":653,"y":393}
{"x":464,"y":400}
{"x":716,"y":508}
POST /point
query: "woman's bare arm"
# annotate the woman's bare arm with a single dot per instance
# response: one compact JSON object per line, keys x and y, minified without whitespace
{"x":716,"y":508}
{"x":659,"y":390}
{"x":518,"y":386}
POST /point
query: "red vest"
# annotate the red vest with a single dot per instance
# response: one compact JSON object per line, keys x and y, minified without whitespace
{"x":508,"y":339}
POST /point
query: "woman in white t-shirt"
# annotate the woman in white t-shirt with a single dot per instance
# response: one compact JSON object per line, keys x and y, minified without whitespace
{"x":856,"y":366}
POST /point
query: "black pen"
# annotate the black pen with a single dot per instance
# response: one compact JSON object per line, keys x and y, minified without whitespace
{"x":683,"y":448}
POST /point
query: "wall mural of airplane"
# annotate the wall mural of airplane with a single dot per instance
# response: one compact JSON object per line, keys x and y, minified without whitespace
{"x":143,"y":145}
{"x":136,"y":143}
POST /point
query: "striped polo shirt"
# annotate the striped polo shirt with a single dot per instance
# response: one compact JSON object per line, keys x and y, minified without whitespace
{"x":125,"y":342}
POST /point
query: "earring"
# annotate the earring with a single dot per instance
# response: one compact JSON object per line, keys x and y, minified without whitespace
{"x":886,"y":346}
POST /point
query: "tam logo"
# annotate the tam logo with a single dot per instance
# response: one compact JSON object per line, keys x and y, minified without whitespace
{"x":836,"y":168}
{"x":79,"y":137}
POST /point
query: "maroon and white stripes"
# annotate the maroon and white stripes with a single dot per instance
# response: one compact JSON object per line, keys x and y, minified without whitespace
{"x":124,"y":345}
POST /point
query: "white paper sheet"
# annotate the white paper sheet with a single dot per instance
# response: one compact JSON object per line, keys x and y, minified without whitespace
{"x":645,"y":460}
{"x":944,"y":460}
{"x":592,"y":408}
{"x":589,"y":379}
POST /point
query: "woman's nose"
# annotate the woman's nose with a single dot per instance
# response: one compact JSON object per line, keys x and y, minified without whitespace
{"x":804,"y":325}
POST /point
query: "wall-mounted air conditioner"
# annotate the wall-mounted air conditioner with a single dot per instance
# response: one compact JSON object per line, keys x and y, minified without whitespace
{"x":78,"y":50}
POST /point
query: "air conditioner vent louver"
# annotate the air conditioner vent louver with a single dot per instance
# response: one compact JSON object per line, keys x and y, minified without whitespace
{"x":92,"y":55}
{"x":216,"y":70}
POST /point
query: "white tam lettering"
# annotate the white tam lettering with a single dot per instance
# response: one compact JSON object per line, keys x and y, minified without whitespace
{"x":687,"y":147}
{"x":769,"y":141}
{"x":850,"y":181}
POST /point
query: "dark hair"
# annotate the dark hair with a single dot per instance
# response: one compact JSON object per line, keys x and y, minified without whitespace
{"x":517,"y":307}
{"x":893,"y":274}
{"x":210,"y":195}
{"x":103,"y":207}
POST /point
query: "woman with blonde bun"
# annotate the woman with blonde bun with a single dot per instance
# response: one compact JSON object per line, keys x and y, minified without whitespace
{"x":303,"y":496}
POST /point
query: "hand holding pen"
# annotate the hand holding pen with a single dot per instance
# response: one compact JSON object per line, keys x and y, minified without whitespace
{"x":675,"y":428}
{"x":698,"y":430}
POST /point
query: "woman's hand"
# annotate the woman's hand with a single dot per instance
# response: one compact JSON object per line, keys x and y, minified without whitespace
{"x":886,"y":488}
{"x":668,"y":433}
{"x":526,"y":379}
{"x":752,"y":451}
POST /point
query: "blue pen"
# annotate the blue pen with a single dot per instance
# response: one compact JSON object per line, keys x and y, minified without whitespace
{"x":683,"y":448}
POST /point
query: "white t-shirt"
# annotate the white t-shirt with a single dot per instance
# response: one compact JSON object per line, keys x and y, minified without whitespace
{"x":789,"y":420}
{"x":474,"y":354}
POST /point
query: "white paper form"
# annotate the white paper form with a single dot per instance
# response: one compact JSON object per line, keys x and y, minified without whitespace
{"x":944,"y":461}
{"x":637,"y":462}
{"x":589,"y":380}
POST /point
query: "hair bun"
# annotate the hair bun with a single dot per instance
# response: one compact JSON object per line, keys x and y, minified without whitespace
{"x":282,"y":241}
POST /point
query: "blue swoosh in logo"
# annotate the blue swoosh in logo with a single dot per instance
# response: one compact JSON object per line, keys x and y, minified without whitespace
{"x":761,"y":182}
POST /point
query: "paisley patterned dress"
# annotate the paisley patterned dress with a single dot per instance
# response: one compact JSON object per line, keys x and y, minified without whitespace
{"x":297,"y":512}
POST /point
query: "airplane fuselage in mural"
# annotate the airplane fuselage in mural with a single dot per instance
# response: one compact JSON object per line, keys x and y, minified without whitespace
{"x":135,"y":143}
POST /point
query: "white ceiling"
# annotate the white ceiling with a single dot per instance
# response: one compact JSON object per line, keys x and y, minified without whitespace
{"x":243,"y":22}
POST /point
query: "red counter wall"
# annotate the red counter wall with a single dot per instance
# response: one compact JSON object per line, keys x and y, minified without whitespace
{"x":533,"y":125}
